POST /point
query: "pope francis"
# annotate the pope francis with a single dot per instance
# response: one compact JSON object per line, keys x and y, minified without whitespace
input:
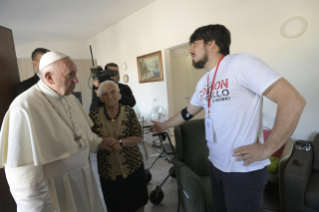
{"x":45,"y":142}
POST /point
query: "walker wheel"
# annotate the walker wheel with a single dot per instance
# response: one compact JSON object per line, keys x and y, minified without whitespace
{"x":148,"y":176}
{"x":172,"y":172}
{"x":156,"y":196}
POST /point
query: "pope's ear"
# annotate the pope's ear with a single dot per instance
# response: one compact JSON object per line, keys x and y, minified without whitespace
{"x":49,"y":77}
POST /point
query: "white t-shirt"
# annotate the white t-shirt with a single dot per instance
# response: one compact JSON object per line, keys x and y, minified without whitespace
{"x":236,"y":108}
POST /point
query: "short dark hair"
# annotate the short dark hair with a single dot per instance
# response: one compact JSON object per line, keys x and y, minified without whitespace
{"x":216,"y":32}
{"x":38,"y":51}
{"x":110,"y":65}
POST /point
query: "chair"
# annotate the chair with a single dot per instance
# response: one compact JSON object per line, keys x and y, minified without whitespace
{"x":301,"y":179}
{"x":192,"y":167}
{"x":284,"y":153}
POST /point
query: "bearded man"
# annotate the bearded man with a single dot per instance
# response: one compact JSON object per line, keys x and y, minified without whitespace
{"x":231,"y":93}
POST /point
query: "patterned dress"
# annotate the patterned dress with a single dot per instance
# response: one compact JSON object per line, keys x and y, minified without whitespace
{"x":121,"y":174}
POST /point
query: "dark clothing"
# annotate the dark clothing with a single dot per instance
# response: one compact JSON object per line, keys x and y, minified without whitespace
{"x":125,"y":195}
{"x":26,"y":84}
{"x":127,"y":97}
{"x":238,"y":191}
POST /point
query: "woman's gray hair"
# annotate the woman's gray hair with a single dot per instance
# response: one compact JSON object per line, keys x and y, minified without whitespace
{"x":107,"y":82}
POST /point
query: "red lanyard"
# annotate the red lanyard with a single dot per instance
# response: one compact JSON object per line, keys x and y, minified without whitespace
{"x":212,"y":87}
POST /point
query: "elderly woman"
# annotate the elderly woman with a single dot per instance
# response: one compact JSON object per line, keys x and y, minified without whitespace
{"x":121,"y":172}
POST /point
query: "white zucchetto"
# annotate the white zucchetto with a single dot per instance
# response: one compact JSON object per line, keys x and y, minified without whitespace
{"x":51,"y":57}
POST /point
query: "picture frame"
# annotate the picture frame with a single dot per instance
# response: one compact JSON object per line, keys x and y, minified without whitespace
{"x":150,"y":67}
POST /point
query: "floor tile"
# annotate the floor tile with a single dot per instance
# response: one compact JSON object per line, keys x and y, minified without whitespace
{"x":160,"y":178}
{"x":155,"y":172}
{"x":161,"y":163}
{"x":165,"y":190}
{"x":150,"y":160}
{"x":170,"y":201}
{"x":152,"y":184}
{"x":166,"y":168}
{"x":149,"y":207}
{"x":172,"y":186}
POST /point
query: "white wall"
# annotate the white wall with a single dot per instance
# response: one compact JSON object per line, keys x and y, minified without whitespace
{"x":75,"y":49}
{"x":255,"y":28}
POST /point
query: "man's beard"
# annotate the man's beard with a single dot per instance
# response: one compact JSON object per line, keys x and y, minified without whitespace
{"x":201,"y":63}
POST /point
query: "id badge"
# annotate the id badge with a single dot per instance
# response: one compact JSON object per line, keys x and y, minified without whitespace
{"x":209,"y":129}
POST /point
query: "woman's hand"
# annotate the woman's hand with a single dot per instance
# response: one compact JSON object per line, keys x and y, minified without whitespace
{"x":113,"y":143}
{"x":104,"y":145}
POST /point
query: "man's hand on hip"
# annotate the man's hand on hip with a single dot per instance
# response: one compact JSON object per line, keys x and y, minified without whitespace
{"x":252,"y":153}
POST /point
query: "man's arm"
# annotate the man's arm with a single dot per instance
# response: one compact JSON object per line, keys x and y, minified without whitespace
{"x":28,"y":188}
{"x":175,"y":120}
{"x":290,"y":105}
{"x":127,"y":97}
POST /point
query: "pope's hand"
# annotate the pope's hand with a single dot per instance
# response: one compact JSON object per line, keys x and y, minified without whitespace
{"x":252,"y":153}
{"x":113,"y":143}
{"x":157,"y":127}
{"x":104,"y":145}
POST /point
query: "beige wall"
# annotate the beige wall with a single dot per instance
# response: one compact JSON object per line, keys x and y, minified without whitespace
{"x":255,"y":28}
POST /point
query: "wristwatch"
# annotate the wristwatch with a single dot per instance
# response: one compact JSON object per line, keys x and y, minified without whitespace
{"x":121,"y":142}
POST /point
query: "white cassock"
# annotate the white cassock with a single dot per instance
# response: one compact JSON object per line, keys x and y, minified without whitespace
{"x":46,"y":168}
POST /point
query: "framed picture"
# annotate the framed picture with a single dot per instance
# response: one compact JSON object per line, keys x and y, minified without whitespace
{"x":150,"y":67}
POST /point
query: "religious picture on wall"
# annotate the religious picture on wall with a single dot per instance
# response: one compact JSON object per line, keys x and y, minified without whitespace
{"x":150,"y":68}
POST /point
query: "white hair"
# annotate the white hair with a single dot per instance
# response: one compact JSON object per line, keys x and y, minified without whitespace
{"x":107,"y":82}
{"x":43,"y":71}
{"x":51,"y":68}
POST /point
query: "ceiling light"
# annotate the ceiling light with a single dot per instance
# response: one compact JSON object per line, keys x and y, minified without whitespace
{"x":293,"y":27}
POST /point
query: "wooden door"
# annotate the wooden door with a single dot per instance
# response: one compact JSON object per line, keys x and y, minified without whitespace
{"x":9,"y":77}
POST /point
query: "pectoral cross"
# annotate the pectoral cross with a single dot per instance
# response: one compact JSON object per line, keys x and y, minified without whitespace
{"x":77,"y":138}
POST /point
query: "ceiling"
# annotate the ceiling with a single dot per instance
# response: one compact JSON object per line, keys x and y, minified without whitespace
{"x":46,"y":21}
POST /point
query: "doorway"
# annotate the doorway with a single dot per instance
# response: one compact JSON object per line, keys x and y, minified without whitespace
{"x":184,"y":78}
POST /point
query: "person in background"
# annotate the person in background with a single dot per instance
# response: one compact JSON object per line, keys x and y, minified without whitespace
{"x":126,"y":94}
{"x":28,"y":83}
{"x":121,"y":173}
{"x":231,"y":92}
